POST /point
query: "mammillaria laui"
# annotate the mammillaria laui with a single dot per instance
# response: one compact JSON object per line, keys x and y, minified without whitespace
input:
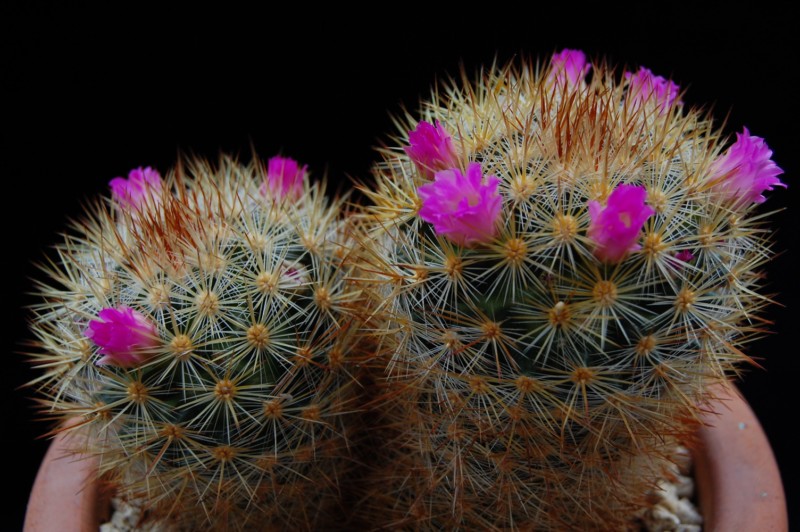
{"x":556,"y":265}
{"x":205,"y":341}
{"x":542,"y":373}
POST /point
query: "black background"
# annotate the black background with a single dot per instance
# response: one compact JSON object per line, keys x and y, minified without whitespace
{"x":87,"y":94}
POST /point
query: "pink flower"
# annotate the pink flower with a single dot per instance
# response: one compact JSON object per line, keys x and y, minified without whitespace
{"x":463,"y":208}
{"x":123,"y":335}
{"x":645,"y":86}
{"x":284,"y":178}
{"x":569,"y":66}
{"x":682,"y":258}
{"x":142,"y":186}
{"x":431,"y":149}
{"x":615,"y":228}
{"x":293,"y":277}
{"x":746,"y":170}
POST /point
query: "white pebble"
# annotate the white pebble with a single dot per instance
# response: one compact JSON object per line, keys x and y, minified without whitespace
{"x":687,"y":513}
{"x":684,"y":486}
{"x":662,"y":520}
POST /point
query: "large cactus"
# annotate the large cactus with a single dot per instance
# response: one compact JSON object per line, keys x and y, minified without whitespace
{"x":197,"y":333}
{"x":565,"y":266}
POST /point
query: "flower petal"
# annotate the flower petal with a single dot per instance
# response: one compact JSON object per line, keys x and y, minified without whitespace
{"x":615,"y":229}
{"x":463,"y":208}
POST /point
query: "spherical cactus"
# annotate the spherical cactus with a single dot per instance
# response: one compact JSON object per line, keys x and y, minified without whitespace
{"x":568,"y":258}
{"x":198,"y":333}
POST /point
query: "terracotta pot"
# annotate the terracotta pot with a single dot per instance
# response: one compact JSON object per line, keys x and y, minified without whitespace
{"x":738,"y":482}
{"x":63,"y":498}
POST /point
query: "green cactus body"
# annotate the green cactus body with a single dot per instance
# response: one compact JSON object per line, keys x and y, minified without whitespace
{"x":530,"y":384}
{"x":239,"y":418}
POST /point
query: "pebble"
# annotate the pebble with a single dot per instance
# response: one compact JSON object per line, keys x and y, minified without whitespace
{"x":127,"y":517}
{"x":673,"y":510}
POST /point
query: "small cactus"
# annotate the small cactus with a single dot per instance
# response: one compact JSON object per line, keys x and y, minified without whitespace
{"x":565,"y":265}
{"x":200,"y":329}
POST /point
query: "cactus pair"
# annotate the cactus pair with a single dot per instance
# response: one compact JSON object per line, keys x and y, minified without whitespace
{"x":554,"y":266}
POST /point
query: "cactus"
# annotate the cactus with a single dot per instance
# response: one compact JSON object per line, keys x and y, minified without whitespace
{"x":198,"y":335}
{"x":566,"y":264}
{"x":557,"y":264}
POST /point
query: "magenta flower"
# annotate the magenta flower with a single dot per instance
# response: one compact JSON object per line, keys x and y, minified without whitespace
{"x":123,"y":335}
{"x":682,"y":258}
{"x":569,"y":66}
{"x":615,"y":228}
{"x":293,"y":277}
{"x":463,"y":208}
{"x":645,"y":86}
{"x":284,"y":178}
{"x":431,"y":149}
{"x":746,"y":170}
{"x":142,"y":186}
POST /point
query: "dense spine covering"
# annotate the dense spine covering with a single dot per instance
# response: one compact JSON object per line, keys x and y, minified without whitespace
{"x":201,"y":332}
{"x":541,"y":364}
{"x":556,"y":265}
